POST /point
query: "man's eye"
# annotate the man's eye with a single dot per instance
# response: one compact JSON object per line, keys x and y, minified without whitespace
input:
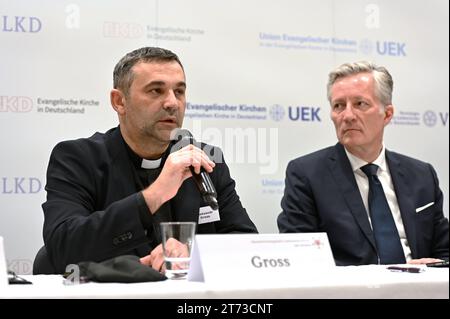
{"x":362,"y":104}
{"x":155,"y":91}
{"x":338,"y":107}
{"x":179,"y":92}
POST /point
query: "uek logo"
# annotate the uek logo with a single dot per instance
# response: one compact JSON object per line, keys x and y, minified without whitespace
{"x":20,"y":24}
{"x":304,"y":113}
{"x":276,"y":112}
{"x":295,"y":113}
{"x":389,"y":48}
{"x":16,"y":104}
{"x":20,"y":185}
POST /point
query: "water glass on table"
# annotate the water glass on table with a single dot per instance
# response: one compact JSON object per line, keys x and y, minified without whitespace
{"x":177,"y":243}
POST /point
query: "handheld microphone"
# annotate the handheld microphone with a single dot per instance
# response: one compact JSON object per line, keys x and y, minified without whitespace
{"x":204,"y":184}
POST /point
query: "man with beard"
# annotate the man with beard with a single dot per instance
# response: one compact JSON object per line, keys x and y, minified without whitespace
{"x":107,"y":194}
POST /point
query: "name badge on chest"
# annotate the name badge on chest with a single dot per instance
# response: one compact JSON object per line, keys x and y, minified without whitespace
{"x":207,"y":215}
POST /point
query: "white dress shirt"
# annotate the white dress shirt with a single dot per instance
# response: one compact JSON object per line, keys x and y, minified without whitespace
{"x":386,"y":181}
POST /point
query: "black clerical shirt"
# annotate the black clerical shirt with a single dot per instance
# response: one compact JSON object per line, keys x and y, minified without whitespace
{"x":143,"y":178}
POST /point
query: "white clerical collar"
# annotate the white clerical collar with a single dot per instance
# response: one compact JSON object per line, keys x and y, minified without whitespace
{"x":150,"y":164}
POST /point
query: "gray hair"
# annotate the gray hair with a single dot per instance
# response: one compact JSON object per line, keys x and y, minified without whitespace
{"x":123,"y":76}
{"x":383,"y":79}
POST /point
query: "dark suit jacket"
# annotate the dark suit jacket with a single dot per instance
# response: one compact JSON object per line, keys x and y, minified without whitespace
{"x":92,"y":207}
{"x":321,"y":195}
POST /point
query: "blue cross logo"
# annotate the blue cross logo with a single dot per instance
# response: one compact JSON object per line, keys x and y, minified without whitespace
{"x":277,"y":112}
{"x":429,"y":118}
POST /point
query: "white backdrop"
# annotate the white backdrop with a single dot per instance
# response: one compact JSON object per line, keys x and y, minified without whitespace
{"x":256,"y":72}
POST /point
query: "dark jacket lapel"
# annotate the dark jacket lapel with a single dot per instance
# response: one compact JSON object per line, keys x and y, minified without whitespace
{"x":404,"y":198}
{"x":340,"y":168}
{"x":121,"y":172}
{"x":122,"y":181}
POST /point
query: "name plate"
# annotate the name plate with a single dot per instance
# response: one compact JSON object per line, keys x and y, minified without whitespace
{"x":256,"y":257}
{"x":3,"y":271}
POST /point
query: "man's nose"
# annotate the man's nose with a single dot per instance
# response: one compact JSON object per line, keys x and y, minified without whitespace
{"x":170,"y":100}
{"x":348,"y":113}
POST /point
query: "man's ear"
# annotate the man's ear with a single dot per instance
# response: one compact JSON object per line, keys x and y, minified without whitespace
{"x":118,"y":101}
{"x":388,"y":113}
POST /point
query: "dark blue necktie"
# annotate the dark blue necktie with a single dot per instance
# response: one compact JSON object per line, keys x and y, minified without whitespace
{"x":389,"y":248}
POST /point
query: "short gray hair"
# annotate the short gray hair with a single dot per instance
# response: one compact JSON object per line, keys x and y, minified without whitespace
{"x":383,"y":79}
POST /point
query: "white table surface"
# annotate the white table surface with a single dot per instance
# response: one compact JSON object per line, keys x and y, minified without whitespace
{"x":354,"y":282}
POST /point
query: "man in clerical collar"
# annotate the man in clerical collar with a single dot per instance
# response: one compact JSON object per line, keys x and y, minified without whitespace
{"x":107,"y":194}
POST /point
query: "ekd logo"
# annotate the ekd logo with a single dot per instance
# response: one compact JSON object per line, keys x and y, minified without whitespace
{"x":16,"y":104}
{"x":20,"y":24}
{"x":20,"y":185}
